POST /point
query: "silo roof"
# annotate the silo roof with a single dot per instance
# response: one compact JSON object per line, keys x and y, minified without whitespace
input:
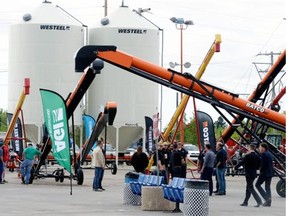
{"x":49,"y":13}
{"x":124,"y":17}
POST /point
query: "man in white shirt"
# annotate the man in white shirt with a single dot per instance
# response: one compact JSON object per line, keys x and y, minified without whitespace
{"x":98,"y":162}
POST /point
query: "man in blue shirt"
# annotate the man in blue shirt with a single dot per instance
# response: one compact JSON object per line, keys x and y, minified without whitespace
{"x":220,"y":164}
{"x":208,"y":166}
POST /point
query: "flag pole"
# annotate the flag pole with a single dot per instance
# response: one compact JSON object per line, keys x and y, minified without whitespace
{"x":74,"y":154}
{"x":71,"y":176}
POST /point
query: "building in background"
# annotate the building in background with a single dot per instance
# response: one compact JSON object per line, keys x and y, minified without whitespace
{"x":42,"y":45}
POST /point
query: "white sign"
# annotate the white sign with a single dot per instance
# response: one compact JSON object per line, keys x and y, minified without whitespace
{"x":156,"y":132}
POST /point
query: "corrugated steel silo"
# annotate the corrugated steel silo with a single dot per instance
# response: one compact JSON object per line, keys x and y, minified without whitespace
{"x":136,"y":97}
{"x":42,"y":47}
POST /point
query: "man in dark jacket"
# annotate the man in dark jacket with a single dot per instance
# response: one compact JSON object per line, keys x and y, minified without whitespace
{"x":175,"y":162}
{"x":139,"y":160}
{"x":266,"y":174}
{"x":251,"y":163}
{"x":184,"y":154}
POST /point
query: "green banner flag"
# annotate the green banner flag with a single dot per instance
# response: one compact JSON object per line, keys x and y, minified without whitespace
{"x":55,"y":117}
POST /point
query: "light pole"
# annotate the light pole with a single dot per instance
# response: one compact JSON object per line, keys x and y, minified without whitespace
{"x":173,"y":65}
{"x":181,"y":25}
{"x":139,"y":12}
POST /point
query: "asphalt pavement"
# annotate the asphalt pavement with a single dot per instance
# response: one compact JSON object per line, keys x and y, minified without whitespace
{"x":47,"y":197}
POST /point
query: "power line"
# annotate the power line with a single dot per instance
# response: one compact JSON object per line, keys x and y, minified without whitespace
{"x":268,"y":65}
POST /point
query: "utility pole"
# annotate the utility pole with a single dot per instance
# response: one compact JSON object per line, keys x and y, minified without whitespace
{"x":271,"y":54}
{"x":259,"y":70}
{"x":105,"y":7}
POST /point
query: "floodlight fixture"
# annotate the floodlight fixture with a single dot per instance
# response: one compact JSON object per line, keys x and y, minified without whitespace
{"x":181,"y":21}
{"x":175,"y":64}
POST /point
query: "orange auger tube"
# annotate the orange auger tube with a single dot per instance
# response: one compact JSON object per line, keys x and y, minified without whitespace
{"x":261,"y":87}
{"x":124,"y":60}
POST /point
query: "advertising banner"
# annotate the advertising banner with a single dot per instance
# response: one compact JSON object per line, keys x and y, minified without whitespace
{"x":16,"y":142}
{"x":150,"y":146}
{"x":206,"y":129}
{"x":89,"y":123}
{"x":54,"y":110}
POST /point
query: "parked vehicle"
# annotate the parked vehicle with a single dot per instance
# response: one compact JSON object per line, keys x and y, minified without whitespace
{"x":193,"y":151}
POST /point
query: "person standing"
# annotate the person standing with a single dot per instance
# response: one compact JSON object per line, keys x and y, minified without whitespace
{"x":200,"y":160}
{"x":184,"y":154}
{"x":28,"y":154}
{"x":5,"y":161}
{"x":98,"y":162}
{"x":1,"y":160}
{"x":104,"y":153}
{"x":208,"y":166}
{"x":139,"y":160}
{"x":266,"y":174}
{"x":166,"y":154}
{"x":160,"y":164}
{"x":176,"y":168}
{"x":220,"y":164}
{"x":175,"y":162}
{"x":251,"y":163}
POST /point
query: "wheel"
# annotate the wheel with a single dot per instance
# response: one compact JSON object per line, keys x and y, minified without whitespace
{"x":281,"y":187}
{"x":61,"y":178}
{"x":32,"y":176}
{"x":57,"y":178}
{"x":113,"y":168}
{"x":80,"y":176}
{"x":128,"y":163}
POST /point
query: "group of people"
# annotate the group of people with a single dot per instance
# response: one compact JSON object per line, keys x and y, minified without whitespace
{"x":26,"y":165}
{"x":172,"y":160}
{"x":252,"y":162}
{"x":208,"y":162}
{"x":169,"y":159}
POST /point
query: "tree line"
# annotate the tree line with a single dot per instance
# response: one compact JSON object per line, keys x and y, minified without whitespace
{"x":190,"y":133}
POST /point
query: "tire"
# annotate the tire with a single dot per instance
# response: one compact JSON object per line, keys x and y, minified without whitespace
{"x":61,"y":179}
{"x":32,"y":176}
{"x":80,"y":176}
{"x":281,"y":187}
{"x":113,"y":168}
{"x":57,"y":178}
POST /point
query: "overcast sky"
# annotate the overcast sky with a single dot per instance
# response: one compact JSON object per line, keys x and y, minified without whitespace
{"x":247,"y":27}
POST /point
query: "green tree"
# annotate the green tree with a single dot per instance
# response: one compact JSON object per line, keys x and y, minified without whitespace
{"x":190,"y":133}
{"x":219,"y":127}
{"x":3,"y":120}
{"x":220,"y":123}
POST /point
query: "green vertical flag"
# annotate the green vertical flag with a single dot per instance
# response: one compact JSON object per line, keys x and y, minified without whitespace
{"x":55,"y":117}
